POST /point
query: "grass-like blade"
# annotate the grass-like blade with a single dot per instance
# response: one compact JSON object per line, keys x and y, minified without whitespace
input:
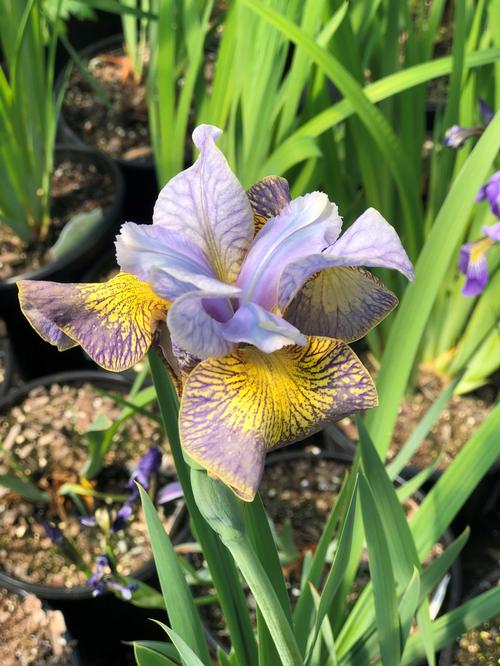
{"x":179,"y":603}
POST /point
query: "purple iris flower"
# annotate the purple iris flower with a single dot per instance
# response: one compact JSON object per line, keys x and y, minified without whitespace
{"x":228,"y":287}
{"x":53,"y":532}
{"x":473,"y":262}
{"x":101,"y":581}
{"x":260,"y":293}
{"x":491,"y":192}
{"x":456,"y":136}
{"x":146,"y":468}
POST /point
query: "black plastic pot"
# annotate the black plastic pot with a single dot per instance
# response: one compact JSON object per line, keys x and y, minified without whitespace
{"x":99,"y":624}
{"x":141,"y":188}
{"x":7,"y":356}
{"x":34,"y":356}
{"x":454,"y":588}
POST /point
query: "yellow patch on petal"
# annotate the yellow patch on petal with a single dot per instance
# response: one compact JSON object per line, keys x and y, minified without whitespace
{"x":113,"y":321}
{"x":238,"y":407}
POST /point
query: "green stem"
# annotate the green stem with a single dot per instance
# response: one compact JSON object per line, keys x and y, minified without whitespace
{"x":222,"y":568}
{"x":223,"y":511}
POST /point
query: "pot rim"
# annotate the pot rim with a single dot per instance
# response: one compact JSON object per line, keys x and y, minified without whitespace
{"x":110,"y":214}
{"x":17,"y":585}
{"x":87,"y":52}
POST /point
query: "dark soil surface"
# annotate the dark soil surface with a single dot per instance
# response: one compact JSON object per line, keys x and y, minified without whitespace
{"x":43,"y":438}
{"x":31,"y":635}
{"x":119,"y":128}
{"x":457,"y":423}
{"x":77,"y":187}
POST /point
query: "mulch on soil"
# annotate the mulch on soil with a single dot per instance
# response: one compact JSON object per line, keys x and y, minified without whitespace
{"x":77,"y":187}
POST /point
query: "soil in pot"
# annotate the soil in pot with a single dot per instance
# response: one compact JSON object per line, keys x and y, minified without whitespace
{"x":29,"y":634}
{"x":77,"y":187}
{"x":119,"y":129}
{"x":457,"y":423}
{"x":301,"y":489}
{"x":43,"y":437}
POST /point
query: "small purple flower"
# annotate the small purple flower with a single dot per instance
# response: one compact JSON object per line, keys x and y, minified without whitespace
{"x":473,"y":262}
{"x":88,"y":521}
{"x":147,"y":466}
{"x":122,"y":517}
{"x":53,"y":532}
{"x":456,"y":136}
{"x":101,"y":582}
{"x":491,"y":192}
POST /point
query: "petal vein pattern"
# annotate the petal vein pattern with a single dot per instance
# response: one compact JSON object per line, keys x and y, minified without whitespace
{"x":209,"y":207}
{"x":113,"y":321}
{"x":236,"y":408}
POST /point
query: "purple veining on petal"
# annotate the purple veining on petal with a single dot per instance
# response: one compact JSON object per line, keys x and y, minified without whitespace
{"x":268,"y":197}
{"x":171,"y":264}
{"x":306,"y":226}
{"x":262,"y":329}
{"x":207,"y":204}
{"x":341,"y":302}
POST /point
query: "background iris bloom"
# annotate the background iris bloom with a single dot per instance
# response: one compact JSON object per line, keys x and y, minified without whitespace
{"x":260,"y":293}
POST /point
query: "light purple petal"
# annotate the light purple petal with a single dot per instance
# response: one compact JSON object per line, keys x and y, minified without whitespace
{"x":169,"y":493}
{"x":371,"y":241}
{"x":343,"y":302}
{"x":192,"y":324}
{"x":492,"y":231}
{"x":463,"y":259}
{"x":491,"y":192}
{"x":263,"y":329}
{"x":209,"y":207}
{"x":172,"y":265}
{"x":306,"y":226}
{"x":456,"y":136}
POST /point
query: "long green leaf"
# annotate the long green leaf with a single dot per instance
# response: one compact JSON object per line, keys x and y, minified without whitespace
{"x":179,"y":603}
{"x":384,"y":585}
{"x":414,"y":311}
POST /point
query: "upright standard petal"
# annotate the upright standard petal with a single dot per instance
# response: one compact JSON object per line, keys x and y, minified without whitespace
{"x":306,"y":226}
{"x":491,"y":192}
{"x":207,"y":205}
{"x":371,"y":241}
{"x":343,"y":302}
{"x":238,"y":407}
{"x":261,"y":328}
{"x":172,"y":265}
{"x":268,"y":197}
{"x":196,"y":324}
{"x":113,"y":321}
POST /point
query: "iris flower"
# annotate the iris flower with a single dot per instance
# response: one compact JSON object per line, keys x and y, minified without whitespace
{"x":260,"y":293}
{"x":456,"y":136}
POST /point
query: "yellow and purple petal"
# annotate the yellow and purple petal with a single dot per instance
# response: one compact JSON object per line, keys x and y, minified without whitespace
{"x":236,"y":408}
{"x":113,"y":321}
{"x":208,"y":208}
{"x":268,"y":197}
{"x":343,"y":302}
